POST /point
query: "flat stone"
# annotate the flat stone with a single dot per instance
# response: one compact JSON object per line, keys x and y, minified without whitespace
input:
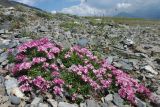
{"x":52,"y":102}
{"x":108,"y":98}
{"x":3,"y":57}
{"x":91,"y":103}
{"x":104,"y":105}
{"x":4,"y":63}
{"x":4,"y":101}
{"x":42,"y":105}
{"x":2,"y":31}
{"x":83,"y":105}
{"x":117,"y":100}
{"x":2,"y":90}
{"x":140,"y":103}
{"x":83,"y":42}
{"x":10,"y":84}
{"x":36,"y":102}
{"x":150,"y":69}
{"x":64,"y":104}
{"x":15,"y":100}
{"x":4,"y":71}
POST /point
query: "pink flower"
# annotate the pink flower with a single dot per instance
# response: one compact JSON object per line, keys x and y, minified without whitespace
{"x":74,"y":96}
{"x":106,"y":83}
{"x":41,"y":83}
{"x":20,"y":57}
{"x":54,"y":67}
{"x":38,"y":60}
{"x":57,"y":90}
{"x":22,"y":66}
{"x":25,"y":87}
{"x":23,"y":78}
{"x":58,"y":81}
{"x":55,"y":74}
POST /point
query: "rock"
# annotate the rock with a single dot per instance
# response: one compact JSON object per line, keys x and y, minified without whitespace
{"x":64,"y":104}
{"x":15,"y":100}
{"x":140,"y":103}
{"x":3,"y":57}
{"x":108,"y":98}
{"x":83,"y":105}
{"x":52,"y":102}
{"x":3,"y":71}
{"x":104,"y":105}
{"x":1,"y":51}
{"x":110,"y":59}
{"x":156,"y":100}
{"x":10,"y":83}
{"x":117,"y":100}
{"x":83,"y":42}
{"x":43,"y":29}
{"x":42,"y":105}
{"x":2,"y":90}
{"x":158,"y":91}
{"x":17,"y":92}
{"x":91,"y":103}
{"x":36,"y":102}
{"x":4,"y":63}
{"x":149,"y":69}
{"x":2,"y":31}
{"x":4,"y":101}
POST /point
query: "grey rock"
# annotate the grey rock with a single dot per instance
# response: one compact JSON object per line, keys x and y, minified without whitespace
{"x":117,"y":100}
{"x":1,"y":50}
{"x":83,"y":42}
{"x":4,"y":101}
{"x":149,"y":69}
{"x":36,"y":102}
{"x":108,"y":98}
{"x":52,"y":102}
{"x":158,"y":91}
{"x":156,"y":98}
{"x":64,"y":104}
{"x":110,"y":59}
{"x":10,"y":83}
{"x":42,"y":105}
{"x":43,"y":29}
{"x":91,"y":103}
{"x":2,"y":31}
{"x":4,"y":63}
{"x":3,"y":57}
{"x":83,"y":105}
{"x":2,"y":90}
{"x":140,"y":103}
{"x":104,"y":105}
{"x":15,"y":100}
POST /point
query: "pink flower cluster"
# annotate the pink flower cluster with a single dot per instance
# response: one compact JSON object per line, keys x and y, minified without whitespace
{"x":25,"y":83}
{"x":128,"y":86}
{"x":21,"y":66}
{"x":41,"y":83}
{"x":31,"y":44}
{"x":81,"y":52}
{"x":38,"y":60}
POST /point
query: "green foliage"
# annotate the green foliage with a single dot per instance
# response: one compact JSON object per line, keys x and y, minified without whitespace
{"x":71,"y":25}
{"x":39,"y":71}
{"x":45,"y":15}
{"x":20,"y":8}
{"x":78,"y":86}
{"x":11,"y":58}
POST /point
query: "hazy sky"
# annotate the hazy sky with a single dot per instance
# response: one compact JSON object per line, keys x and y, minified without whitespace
{"x":97,"y":7}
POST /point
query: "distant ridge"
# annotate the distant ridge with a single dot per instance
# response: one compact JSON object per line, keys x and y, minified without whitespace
{"x":8,"y":3}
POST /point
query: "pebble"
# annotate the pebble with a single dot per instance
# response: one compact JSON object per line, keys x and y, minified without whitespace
{"x":15,"y":100}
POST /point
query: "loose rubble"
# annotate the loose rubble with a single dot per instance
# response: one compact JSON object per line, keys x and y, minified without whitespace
{"x":133,"y":49}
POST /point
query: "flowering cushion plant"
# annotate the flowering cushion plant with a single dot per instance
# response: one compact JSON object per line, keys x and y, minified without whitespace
{"x":80,"y":72}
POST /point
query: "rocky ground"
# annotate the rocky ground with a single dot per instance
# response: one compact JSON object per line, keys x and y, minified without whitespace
{"x":133,"y":48}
